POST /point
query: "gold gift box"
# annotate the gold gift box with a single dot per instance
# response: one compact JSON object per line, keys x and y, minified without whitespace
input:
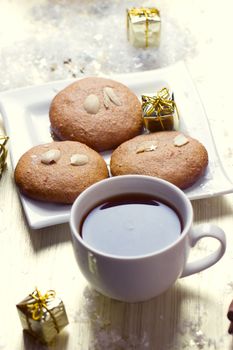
{"x":43,"y":316}
{"x":143,"y":26}
{"x":160,"y":111}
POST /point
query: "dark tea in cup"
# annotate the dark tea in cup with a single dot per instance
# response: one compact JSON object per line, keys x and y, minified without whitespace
{"x":131,"y":225}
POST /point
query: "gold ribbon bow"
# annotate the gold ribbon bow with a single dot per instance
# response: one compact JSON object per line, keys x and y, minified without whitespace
{"x":159,"y":105}
{"x":3,"y":152}
{"x":147,"y":13}
{"x":40,"y":303}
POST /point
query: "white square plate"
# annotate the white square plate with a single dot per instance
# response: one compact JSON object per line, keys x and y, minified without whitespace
{"x":25,"y":114}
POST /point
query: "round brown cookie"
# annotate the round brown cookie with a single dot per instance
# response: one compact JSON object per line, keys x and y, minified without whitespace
{"x":59,"y":171}
{"x":99,"y":112}
{"x":169,"y":155}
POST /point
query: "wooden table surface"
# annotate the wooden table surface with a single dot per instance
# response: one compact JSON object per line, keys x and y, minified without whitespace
{"x":191,"y":314}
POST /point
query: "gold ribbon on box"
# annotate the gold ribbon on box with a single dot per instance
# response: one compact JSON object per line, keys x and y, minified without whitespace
{"x":159,"y":105}
{"x":37,"y":308}
{"x":3,"y":152}
{"x":147,"y":13}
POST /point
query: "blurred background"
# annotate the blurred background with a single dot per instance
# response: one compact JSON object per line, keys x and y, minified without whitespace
{"x":42,"y":40}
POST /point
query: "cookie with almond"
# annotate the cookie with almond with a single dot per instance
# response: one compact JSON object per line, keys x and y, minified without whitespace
{"x":59,"y":171}
{"x":100,"y":112}
{"x":170,"y":155}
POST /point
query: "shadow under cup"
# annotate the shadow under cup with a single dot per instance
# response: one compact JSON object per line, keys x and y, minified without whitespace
{"x":140,"y":277}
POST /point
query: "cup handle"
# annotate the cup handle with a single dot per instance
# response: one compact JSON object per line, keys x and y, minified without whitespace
{"x":205,"y":230}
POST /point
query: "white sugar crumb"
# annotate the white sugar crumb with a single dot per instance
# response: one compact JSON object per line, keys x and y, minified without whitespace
{"x":195,"y":337}
{"x":88,"y":311}
{"x":113,"y":341}
{"x":105,"y":335}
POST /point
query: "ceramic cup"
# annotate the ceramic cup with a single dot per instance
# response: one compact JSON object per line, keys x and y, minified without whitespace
{"x":139,"y":278}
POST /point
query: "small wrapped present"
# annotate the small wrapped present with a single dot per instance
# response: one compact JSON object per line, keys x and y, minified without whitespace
{"x":3,"y":153}
{"x":160,"y":111}
{"x":143,"y":26}
{"x":43,"y":316}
